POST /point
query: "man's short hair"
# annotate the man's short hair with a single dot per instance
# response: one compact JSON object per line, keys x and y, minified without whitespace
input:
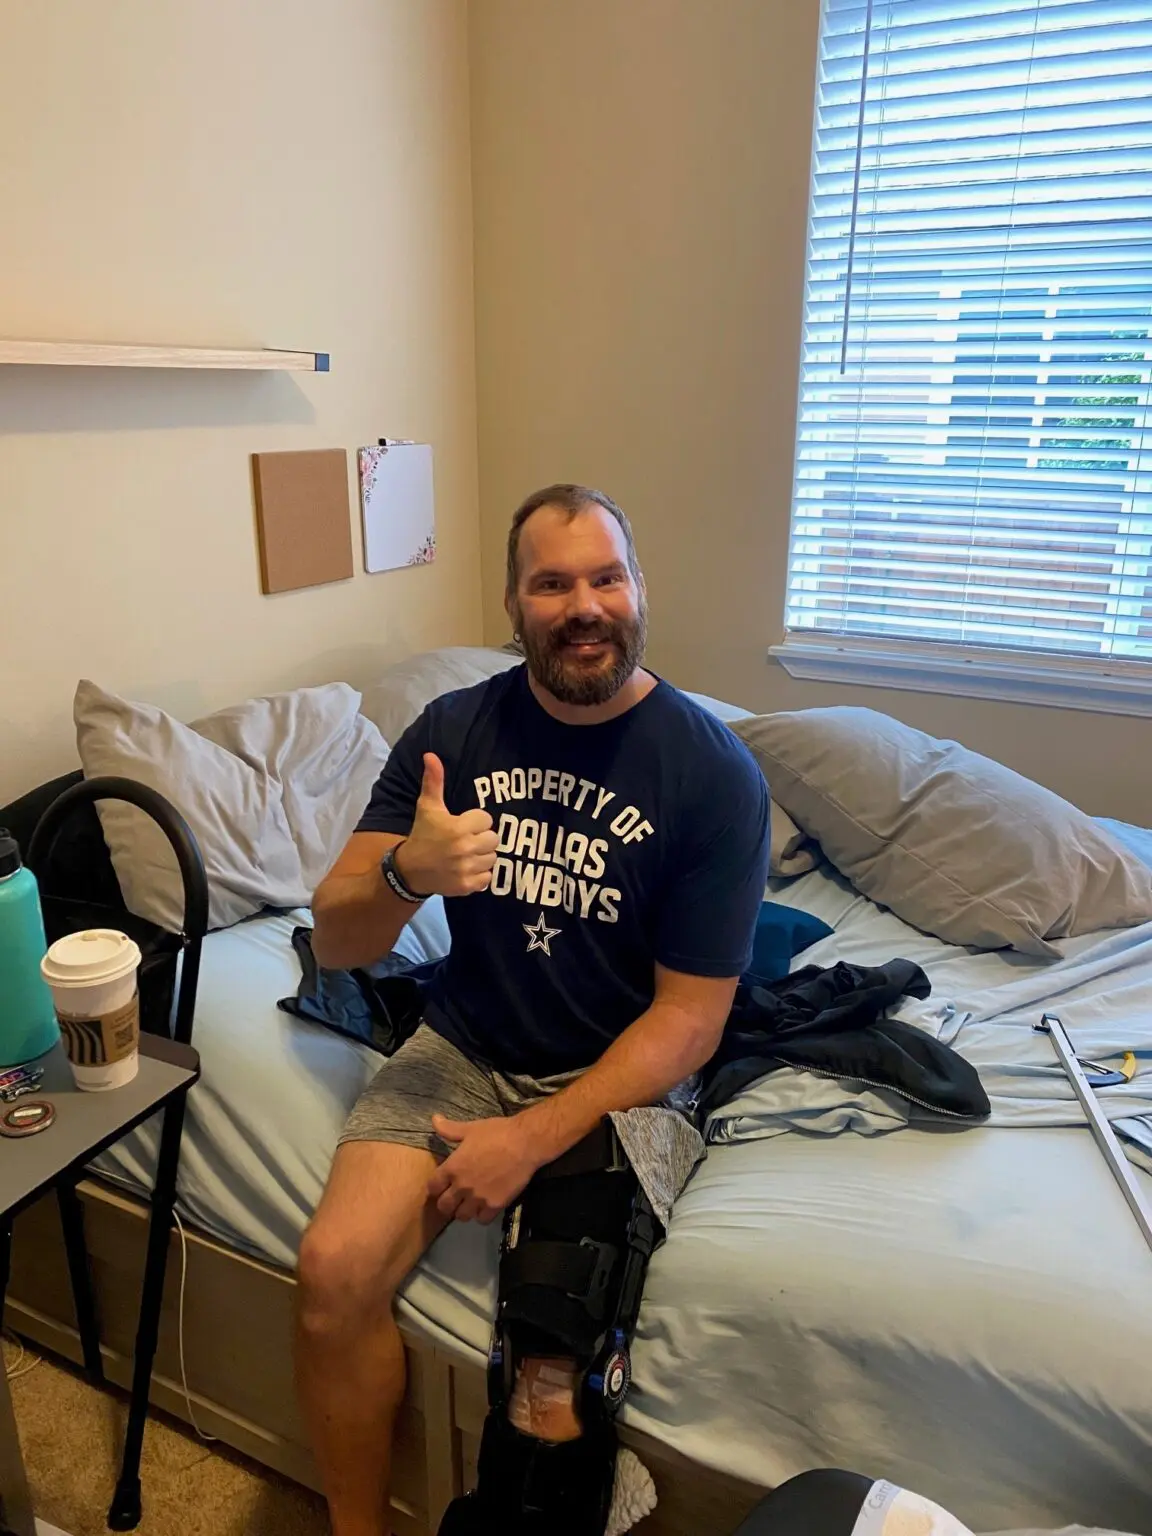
{"x":569,"y":499}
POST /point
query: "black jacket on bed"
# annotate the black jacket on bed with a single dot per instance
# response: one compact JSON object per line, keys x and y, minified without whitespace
{"x":833,"y":1021}
{"x":830,"y":1021}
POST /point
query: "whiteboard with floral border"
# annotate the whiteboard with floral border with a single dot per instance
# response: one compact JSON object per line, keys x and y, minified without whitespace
{"x":398,"y":506}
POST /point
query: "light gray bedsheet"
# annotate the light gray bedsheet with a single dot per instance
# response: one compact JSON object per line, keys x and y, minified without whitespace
{"x":967,"y":1312}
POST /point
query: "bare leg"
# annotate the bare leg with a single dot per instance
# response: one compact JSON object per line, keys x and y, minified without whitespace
{"x":372,"y":1225}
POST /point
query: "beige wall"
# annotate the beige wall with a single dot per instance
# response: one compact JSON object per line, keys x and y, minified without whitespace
{"x":641,"y":179}
{"x":232,"y":172}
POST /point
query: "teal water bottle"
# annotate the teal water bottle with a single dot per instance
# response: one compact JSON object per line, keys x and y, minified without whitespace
{"x":28,"y":1025}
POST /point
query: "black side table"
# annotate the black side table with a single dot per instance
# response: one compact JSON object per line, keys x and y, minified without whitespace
{"x":86,"y":1124}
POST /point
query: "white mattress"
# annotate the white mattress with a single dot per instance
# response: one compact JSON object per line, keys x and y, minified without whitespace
{"x":968,"y":1312}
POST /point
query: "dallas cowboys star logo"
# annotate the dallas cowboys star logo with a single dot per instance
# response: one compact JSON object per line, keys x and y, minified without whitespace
{"x":540,"y":936}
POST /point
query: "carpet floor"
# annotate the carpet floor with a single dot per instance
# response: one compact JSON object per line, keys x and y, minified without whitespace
{"x":71,"y":1435}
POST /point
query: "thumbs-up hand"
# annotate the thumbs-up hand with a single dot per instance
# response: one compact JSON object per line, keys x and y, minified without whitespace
{"x":446,"y":855}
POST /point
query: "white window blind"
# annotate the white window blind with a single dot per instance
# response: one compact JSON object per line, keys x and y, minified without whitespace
{"x":974,"y":461}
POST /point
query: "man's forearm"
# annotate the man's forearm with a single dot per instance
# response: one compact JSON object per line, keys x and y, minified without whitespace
{"x":357,"y":920}
{"x":662,"y":1048}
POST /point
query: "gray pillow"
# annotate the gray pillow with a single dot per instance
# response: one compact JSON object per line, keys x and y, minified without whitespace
{"x":792,"y":851}
{"x":325,"y":756}
{"x":235,"y":810}
{"x":407,"y":688}
{"x":271,"y":788}
{"x":952,"y":842}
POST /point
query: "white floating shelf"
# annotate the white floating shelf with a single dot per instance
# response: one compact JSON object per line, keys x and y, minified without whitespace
{"x":102,"y":354}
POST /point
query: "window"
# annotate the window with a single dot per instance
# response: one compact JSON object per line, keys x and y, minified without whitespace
{"x":974,"y":463}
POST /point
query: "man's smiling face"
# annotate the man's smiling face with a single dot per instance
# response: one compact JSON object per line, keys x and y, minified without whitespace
{"x":580,"y":610}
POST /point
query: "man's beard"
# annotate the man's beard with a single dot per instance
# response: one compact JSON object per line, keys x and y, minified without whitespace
{"x":586,"y":681}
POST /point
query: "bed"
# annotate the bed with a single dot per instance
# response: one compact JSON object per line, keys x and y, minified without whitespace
{"x":845,"y":1281}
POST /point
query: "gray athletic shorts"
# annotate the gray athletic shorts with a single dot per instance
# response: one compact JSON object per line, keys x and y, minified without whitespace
{"x":429,"y":1076}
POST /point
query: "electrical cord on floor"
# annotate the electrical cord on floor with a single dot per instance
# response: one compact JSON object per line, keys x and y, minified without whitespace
{"x":203,"y":1434}
{"x":134,"y":1189}
{"x":20,"y":1367}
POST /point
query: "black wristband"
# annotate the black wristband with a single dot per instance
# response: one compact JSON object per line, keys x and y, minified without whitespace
{"x":395,"y":880}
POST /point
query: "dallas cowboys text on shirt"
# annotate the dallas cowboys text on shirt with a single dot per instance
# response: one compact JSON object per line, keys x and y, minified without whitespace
{"x":542,"y":863}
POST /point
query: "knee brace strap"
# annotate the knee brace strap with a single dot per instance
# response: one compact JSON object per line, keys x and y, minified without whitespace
{"x":572,"y":1263}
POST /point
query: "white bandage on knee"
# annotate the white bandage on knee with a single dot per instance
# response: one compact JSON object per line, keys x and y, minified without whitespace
{"x":538,"y":1389}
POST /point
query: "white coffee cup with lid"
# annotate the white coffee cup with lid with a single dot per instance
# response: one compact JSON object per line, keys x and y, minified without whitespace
{"x":92,"y":976}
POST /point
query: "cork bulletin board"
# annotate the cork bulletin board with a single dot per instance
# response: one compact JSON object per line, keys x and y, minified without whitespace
{"x":303,"y":518}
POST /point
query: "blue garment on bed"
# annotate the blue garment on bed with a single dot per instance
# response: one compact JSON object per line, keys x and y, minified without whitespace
{"x":380,"y":1005}
{"x":781,"y":933}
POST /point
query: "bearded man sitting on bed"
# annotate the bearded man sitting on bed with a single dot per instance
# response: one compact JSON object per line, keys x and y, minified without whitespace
{"x":602,"y":845}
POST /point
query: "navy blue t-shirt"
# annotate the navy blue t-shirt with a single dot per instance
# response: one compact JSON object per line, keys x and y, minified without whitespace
{"x":639,"y":840}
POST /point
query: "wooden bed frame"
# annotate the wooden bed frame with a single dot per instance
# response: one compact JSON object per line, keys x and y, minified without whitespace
{"x":237,"y":1343}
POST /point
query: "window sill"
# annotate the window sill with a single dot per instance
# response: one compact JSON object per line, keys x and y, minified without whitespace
{"x":1105,"y":688}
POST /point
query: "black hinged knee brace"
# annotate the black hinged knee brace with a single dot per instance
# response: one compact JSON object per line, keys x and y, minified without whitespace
{"x":573,"y":1257}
